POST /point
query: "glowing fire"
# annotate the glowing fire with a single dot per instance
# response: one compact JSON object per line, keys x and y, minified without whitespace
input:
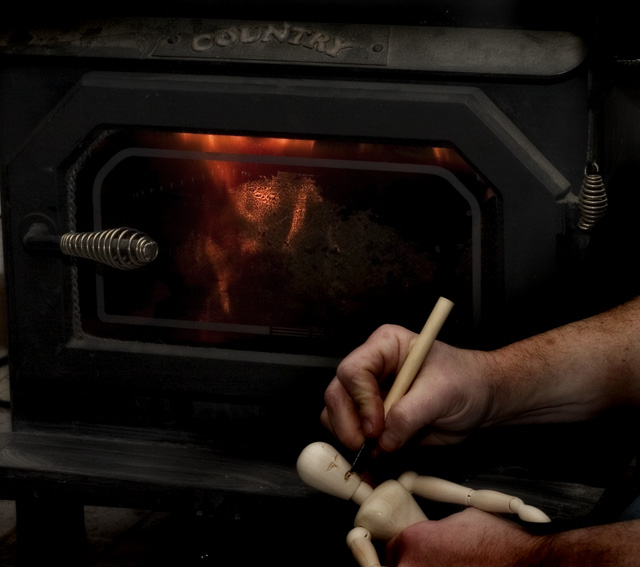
{"x":252,"y":216}
{"x":257,"y":213}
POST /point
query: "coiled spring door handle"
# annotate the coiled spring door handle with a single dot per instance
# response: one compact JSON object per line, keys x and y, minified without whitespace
{"x":121,"y":248}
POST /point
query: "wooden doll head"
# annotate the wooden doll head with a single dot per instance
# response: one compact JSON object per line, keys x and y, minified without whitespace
{"x":324,"y":468}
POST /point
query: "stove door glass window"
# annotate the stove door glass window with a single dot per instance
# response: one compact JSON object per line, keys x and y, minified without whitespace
{"x":281,"y":245}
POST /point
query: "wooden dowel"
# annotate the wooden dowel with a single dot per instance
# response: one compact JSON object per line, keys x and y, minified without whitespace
{"x":418,"y":352}
{"x":408,"y":371}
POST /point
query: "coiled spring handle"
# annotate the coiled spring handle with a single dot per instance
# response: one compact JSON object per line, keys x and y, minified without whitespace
{"x":121,"y":248}
{"x":593,"y":200}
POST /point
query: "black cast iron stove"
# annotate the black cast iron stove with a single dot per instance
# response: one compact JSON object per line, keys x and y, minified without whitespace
{"x":202,"y":215}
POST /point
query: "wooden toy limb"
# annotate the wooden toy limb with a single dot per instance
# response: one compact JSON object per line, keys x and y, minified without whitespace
{"x":436,"y":489}
{"x":442,"y":490}
{"x":360,"y":544}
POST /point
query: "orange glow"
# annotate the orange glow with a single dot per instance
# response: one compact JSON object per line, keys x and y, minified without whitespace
{"x":251,"y":213}
{"x":252,"y":145}
{"x":265,"y":214}
{"x":244,"y":144}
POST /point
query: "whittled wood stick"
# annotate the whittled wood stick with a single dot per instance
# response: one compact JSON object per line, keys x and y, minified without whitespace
{"x":418,"y":352}
{"x":408,"y":372}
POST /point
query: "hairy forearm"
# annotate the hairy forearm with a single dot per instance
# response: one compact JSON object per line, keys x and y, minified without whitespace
{"x":569,"y":373}
{"x":477,"y":538}
{"x":615,"y":544}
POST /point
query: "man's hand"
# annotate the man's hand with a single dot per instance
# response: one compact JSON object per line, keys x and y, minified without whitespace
{"x":471,"y":537}
{"x":480,"y":539}
{"x":449,"y":396}
{"x":566,"y":374}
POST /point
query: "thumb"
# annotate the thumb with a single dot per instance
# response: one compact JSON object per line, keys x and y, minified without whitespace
{"x":402,"y":423}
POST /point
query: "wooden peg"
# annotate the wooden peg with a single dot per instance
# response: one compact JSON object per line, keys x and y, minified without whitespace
{"x":410,"y":367}
{"x":418,"y":352}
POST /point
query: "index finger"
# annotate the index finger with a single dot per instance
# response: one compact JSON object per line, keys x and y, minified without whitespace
{"x":354,"y":407}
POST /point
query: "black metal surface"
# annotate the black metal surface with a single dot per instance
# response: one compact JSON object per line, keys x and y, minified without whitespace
{"x":525,"y":14}
{"x":528,"y":132}
{"x":530,"y":53}
{"x":528,"y":137}
{"x":52,"y":355}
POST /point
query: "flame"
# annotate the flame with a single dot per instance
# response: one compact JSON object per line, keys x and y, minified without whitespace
{"x":251,"y":212}
{"x":257,"y":214}
{"x":256,"y":145}
{"x":247,"y":213}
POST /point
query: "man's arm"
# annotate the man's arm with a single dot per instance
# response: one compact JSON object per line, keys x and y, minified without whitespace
{"x":569,"y":373}
{"x":476,"y":538}
{"x":566,"y":374}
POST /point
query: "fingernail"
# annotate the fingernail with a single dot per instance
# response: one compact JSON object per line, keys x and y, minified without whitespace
{"x":367,"y":428}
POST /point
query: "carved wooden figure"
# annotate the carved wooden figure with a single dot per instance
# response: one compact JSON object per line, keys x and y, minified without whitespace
{"x":386,"y":510}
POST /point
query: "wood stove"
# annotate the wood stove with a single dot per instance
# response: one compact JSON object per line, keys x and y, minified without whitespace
{"x":283,"y":187}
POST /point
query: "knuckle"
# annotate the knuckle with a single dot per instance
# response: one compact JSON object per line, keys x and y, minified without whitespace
{"x":332,"y":394}
{"x":385,"y":332}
